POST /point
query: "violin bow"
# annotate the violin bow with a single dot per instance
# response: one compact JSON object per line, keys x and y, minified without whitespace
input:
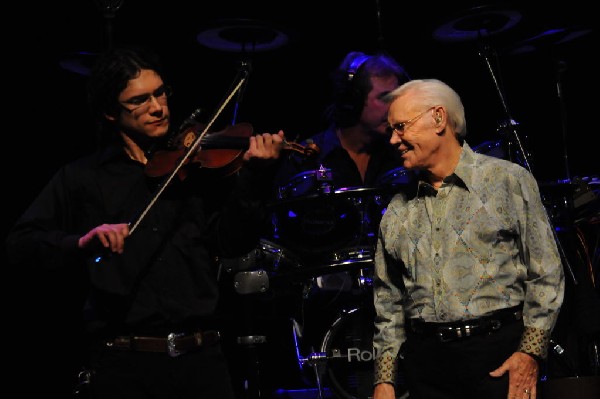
{"x":191,"y":149}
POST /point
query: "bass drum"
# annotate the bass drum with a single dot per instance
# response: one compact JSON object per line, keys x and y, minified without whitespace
{"x":349,"y":348}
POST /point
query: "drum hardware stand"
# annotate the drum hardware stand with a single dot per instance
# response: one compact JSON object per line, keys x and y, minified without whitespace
{"x":109,"y":8}
{"x":317,"y":360}
{"x":560,"y":352}
{"x":484,"y":52}
{"x":84,"y":378}
{"x":521,"y":157}
{"x":244,"y":70}
{"x":561,"y":66}
{"x":509,"y":125}
{"x":243,"y":36}
{"x":251,"y":282}
{"x":364,"y":281}
{"x":324,"y":176}
{"x":82,"y":62}
{"x":252,"y":385}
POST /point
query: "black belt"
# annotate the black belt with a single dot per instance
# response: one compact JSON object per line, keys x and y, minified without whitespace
{"x":174,"y":344}
{"x":446,"y":332}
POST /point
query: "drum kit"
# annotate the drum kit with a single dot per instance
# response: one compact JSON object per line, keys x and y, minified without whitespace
{"x":322,"y":238}
{"x":320,"y":247}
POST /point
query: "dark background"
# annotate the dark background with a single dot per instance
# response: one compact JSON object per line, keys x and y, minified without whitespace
{"x":47,"y":124}
{"x":289,"y":87}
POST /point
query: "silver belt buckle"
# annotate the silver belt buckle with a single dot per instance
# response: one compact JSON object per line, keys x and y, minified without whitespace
{"x":442,"y":336}
{"x":495,"y":324}
{"x":471,"y":328}
{"x":171,"y":348}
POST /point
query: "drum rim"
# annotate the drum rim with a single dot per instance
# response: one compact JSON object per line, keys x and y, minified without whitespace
{"x":327,"y":341}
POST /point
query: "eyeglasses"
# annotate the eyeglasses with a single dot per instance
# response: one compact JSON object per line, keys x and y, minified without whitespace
{"x":400,"y":126}
{"x":142,"y":102}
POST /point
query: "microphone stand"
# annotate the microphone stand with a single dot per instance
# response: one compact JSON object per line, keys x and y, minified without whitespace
{"x":510,"y":126}
{"x":109,"y":9}
{"x":561,"y":66}
{"x":244,"y":71}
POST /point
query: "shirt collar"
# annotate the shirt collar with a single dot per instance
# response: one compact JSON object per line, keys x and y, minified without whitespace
{"x":466,"y":167}
{"x":462,"y":176}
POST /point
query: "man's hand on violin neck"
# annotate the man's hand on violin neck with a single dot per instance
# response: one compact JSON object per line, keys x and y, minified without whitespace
{"x":265,"y":146}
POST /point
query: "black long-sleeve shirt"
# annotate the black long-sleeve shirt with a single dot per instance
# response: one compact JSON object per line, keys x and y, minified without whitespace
{"x":166,"y":278}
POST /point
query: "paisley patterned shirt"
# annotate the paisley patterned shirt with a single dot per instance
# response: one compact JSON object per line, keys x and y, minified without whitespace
{"x":480,"y":243}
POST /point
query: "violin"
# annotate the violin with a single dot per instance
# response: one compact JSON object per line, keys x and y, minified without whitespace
{"x":222,"y":151}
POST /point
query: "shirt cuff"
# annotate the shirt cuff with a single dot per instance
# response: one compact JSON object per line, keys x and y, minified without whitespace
{"x":385,"y":370}
{"x":535,"y":342}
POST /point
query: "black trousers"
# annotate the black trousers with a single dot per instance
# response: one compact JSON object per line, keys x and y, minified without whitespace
{"x":459,"y":369}
{"x":142,"y":375}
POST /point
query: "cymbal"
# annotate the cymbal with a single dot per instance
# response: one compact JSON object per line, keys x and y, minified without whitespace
{"x":242,"y":35}
{"x":477,"y":22}
{"x":80,"y":62}
{"x":548,"y":38}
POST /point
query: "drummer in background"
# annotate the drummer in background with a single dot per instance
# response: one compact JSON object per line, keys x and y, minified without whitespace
{"x":355,"y":146}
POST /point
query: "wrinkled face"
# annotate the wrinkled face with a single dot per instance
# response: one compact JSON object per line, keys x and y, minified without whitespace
{"x":144,"y":107}
{"x":414,"y":131}
{"x":374,"y":113}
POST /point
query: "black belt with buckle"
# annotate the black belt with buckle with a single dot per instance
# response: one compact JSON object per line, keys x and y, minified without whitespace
{"x":174,"y":344}
{"x":446,"y":332}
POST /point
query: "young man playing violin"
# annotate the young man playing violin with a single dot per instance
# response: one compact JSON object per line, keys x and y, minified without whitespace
{"x":153,"y":292}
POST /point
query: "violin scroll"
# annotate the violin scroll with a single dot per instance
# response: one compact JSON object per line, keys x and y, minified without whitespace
{"x":310,"y":150}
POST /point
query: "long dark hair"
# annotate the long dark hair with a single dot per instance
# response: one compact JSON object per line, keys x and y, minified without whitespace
{"x":109,"y":77}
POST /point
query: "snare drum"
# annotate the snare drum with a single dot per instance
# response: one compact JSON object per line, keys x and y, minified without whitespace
{"x":316,"y":223}
{"x":305,"y":183}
